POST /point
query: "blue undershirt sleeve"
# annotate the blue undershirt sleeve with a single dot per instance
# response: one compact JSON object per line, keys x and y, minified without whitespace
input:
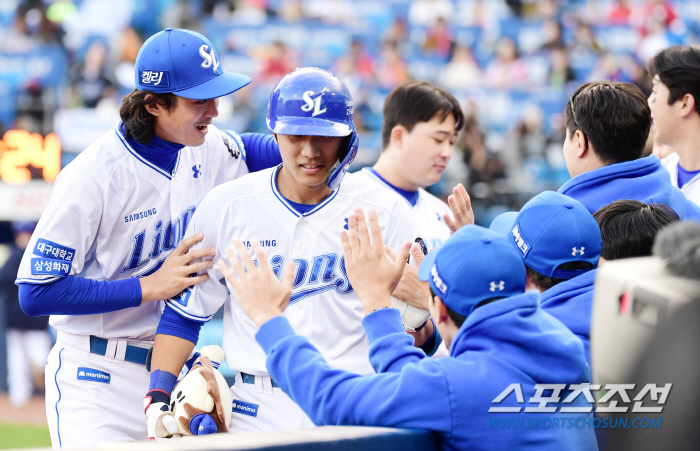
{"x":261,"y":151}
{"x":172,"y":323}
{"x":79,"y":296}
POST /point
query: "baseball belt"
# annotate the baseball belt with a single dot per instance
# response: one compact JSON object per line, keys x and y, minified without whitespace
{"x":250,"y":379}
{"x":133,"y":354}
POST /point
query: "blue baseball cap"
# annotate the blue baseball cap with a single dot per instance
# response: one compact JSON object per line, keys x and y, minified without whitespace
{"x":473,"y":265}
{"x":185,"y":63}
{"x":550,"y":230}
{"x":502,"y":223}
{"x":23,"y":226}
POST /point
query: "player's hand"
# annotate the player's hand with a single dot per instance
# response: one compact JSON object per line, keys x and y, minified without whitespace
{"x":174,"y":275}
{"x":160,"y":422}
{"x":461,"y":206}
{"x":258,"y":291}
{"x":410,"y":288}
{"x":373,"y":275}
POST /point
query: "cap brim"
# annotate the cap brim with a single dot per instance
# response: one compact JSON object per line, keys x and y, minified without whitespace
{"x":308,"y":126}
{"x":503,"y":223}
{"x":426,"y":265}
{"x":216,"y":87}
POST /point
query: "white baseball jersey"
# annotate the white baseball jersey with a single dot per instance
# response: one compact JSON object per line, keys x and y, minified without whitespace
{"x":114,"y":215}
{"x":323,"y":306}
{"x":428,"y":213}
{"x":692,"y":188}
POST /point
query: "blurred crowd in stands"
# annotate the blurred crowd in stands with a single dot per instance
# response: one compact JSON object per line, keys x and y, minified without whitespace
{"x":511,"y":63}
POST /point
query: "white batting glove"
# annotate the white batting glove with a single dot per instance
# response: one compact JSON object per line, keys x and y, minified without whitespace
{"x":160,"y":423}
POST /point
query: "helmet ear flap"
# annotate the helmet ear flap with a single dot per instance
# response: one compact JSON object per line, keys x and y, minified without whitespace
{"x":346,"y":156}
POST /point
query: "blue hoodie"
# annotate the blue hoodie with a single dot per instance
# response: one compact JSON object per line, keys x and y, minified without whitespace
{"x":511,"y":341}
{"x":571,"y":302}
{"x":644,"y":180}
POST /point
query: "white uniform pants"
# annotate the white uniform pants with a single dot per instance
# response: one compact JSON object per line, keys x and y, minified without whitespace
{"x":92,"y":398}
{"x":25,"y":349}
{"x":261,"y":407}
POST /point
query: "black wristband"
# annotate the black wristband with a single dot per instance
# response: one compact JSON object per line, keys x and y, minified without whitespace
{"x":158,"y":395}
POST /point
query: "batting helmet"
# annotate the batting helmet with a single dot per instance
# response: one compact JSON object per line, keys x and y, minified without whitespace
{"x":314,"y":102}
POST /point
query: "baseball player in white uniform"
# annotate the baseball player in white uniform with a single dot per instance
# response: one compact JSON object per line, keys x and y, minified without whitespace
{"x":296,"y":211}
{"x":676,"y":114}
{"x":109,"y":246}
{"x":420,"y":126}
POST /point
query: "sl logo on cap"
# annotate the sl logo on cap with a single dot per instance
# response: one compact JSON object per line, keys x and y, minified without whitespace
{"x":209,"y":58}
{"x":313,"y":103}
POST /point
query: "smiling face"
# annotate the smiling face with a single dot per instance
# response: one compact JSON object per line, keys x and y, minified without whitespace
{"x":306,"y":162}
{"x":665,"y":117}
{"x":427,"y":149}
{"x":187,"y":122}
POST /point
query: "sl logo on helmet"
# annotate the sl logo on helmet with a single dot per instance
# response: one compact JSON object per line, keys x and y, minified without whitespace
{"x":312,"y":103}
{"x":209,"y":58}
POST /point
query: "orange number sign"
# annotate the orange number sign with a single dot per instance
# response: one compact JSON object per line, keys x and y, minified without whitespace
{"x":19,"y":148}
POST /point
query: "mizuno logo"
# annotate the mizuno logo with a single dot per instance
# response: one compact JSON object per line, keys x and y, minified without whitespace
{"x":209,"y":58}
{"x":314,"y":104}
{"x":575,"y":251}
{"x":498,"y":286}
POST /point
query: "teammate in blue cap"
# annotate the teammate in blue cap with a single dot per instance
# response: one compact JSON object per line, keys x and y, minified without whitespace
{"x":497,"y":336}
{"x":296,"y":211}
{"x":109,"y":247}
{"x":560,"y":243}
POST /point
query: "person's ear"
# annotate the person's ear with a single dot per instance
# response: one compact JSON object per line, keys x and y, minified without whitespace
{"x":442,"y":316}
{"x":687,"y":105}
{"x":155,"y":108}
{"x":274,"y":135}
{"x":579,"y":140}
{"x":398,"y":134}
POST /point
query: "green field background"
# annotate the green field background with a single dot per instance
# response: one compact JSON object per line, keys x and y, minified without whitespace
{"x":23,"y":436}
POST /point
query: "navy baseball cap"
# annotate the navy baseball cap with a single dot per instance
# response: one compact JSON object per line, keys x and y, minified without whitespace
{"x":185,"y":63}
{"x":550,"y":230}
{"x":473,"y":265}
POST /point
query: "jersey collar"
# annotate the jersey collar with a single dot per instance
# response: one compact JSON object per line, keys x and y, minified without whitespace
{"x":290,"y":207}
{"x":131,"y":150}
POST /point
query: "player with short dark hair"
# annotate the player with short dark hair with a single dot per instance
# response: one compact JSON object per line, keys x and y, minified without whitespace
{"x":629,"y":227}
{"x":560,"y":244}
{"x":607,"y":125}
{"x":110,"y":245}
{"x":296,"y":211}
{"x":506,"y":340}
{"x":420,"y":125}
{"x":675,"y":111}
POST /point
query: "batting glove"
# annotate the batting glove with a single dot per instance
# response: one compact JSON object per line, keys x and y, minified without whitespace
{"x":159,"y":419}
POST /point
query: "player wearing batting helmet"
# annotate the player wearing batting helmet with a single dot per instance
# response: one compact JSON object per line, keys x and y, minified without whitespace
{"x":296,"y":212}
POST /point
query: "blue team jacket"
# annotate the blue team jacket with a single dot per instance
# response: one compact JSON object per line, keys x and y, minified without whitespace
{"x":571,"y":302}
{"x":644,"y":180}
{"x":511,"y":341}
